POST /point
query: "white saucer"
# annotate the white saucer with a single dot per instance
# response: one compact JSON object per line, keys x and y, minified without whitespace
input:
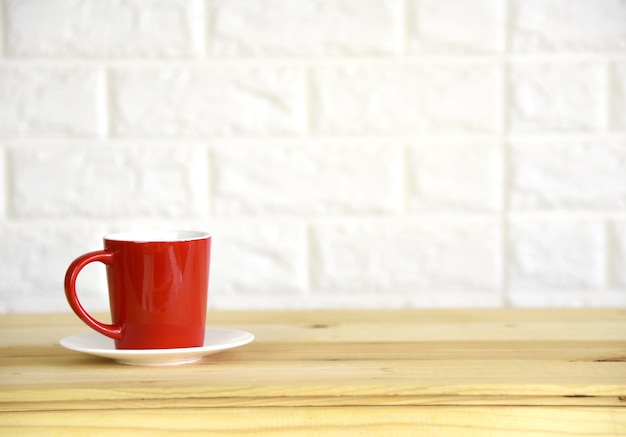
{"x":215,"y":340}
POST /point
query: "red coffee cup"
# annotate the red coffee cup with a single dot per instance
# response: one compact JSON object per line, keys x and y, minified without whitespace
{"x":158,"y":283}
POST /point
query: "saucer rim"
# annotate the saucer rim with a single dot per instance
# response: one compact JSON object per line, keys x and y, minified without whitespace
{"x":123,"y":355}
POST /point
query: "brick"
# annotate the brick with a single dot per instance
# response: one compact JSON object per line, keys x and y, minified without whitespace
{"x":568,"y":25}
{"x":208,"y":101}
{"x":306,"y":28}
{"x":49,"y":101}
{"x":407,"y":258}
{"x":455,"y":26}
{"x":619,"y":97}
{"x":454,"y":177}
{"x":131,"y":180}
{"x":257,"y":260}
{"x":307,"y":180}
{"x":281,"y":301}
{"x":551,"y":261}
{"x":83,"y":28}
{"x":33,"y":261}
{"x":557,"y":97}
{"x":568,"y":175}
{"x":406,"y":98}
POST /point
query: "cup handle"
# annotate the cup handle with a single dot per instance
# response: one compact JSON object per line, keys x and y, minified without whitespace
{"x":105,"y":257}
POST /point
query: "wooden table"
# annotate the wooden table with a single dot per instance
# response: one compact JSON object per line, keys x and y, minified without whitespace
{"x":436,"y":372}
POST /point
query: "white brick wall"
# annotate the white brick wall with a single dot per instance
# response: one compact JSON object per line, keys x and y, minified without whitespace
{"x":49,"y":100}
{"x":121,"y":180}
{"x":343,"y":153}
{"x":181,"y":101}
{"x":266,"y":28}
{"x":405,"y":98}
{"x":126,"y":29}
{"x":307,"y":181}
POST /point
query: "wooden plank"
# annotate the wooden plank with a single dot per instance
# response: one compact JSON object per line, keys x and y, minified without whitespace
{"x":367,"y":326}
{"x":311,"y":401}
{"x":270,"y":363}
{"x":342,"y":382}
{"x":338,"y":358}
{"x":313,"y":317}
{"x":590,"y":351}
{"x":313,"y":421}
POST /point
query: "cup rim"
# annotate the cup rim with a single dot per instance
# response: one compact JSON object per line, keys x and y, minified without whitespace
{"x":157,"y":236}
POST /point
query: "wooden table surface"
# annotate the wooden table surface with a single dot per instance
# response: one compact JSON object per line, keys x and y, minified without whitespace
{"x":435,"y":372}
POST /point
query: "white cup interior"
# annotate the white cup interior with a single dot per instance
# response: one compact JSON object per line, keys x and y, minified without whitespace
{"x":157,"y":236}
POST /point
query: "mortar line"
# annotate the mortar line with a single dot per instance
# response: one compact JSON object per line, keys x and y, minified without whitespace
{"x":211,"y":180}
{"x":609,"y":115}
{"x":5,"y":171}
{"x":206,"y":30}
{"x":405,"y":172}
{"x":406,"y":27}
{"x":4,"y":30}
{"x":328,"y":140}
{"x":339,"y":61}
{"x":309,"y":102}
{"x":607,"y":255}
{"x":310,"y":258}
{"x":105,"y":104}
{"x":505,"y":48}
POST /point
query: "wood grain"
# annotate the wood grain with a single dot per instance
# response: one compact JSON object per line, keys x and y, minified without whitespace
{"x":488,"y":372}
{"x":324,"y":421}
